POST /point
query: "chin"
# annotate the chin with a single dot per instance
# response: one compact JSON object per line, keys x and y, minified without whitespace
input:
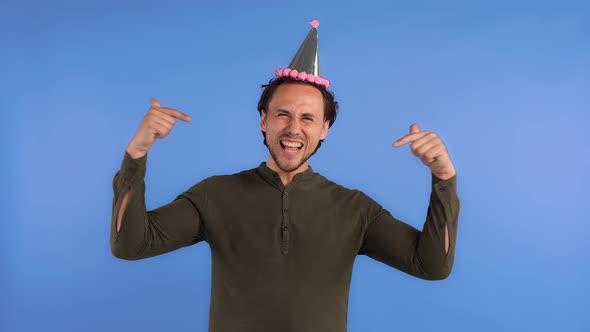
{"x":290,"y":166}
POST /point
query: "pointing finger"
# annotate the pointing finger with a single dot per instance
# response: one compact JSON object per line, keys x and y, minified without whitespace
{"x":174,"y":113}
{"x":409,"y":138}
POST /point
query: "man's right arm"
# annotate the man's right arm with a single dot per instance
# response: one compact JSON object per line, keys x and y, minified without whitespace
{"x":135,"y":232}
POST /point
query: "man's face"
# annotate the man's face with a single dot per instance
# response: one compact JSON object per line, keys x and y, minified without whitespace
{"x":294,"y":124}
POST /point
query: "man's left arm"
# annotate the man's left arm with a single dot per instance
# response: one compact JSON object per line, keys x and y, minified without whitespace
{"x":428,"y":254}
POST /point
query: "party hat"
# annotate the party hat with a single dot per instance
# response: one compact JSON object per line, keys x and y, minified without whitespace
{"x":305,"y":66}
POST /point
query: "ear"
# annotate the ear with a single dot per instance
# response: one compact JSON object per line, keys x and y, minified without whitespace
{"x":325,"y":129}
{"x":263,"y":120}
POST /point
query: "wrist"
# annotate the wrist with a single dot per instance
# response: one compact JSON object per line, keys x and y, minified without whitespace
{"x":135,"y":153}
{"x":445,"y":175}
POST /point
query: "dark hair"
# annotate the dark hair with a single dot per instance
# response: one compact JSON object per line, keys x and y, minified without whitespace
{"x":330,"y":104}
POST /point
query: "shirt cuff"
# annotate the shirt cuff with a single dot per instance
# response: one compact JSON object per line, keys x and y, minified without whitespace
{"x":445,"y":190}
{"x":133,"y":169}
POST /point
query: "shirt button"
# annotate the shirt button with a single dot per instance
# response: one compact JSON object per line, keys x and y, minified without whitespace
{"x":285,"y":210}
{"x":285,"y":228}
{"x":443,"y":189}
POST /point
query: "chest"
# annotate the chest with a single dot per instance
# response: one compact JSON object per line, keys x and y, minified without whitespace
{"x":312,"y":224}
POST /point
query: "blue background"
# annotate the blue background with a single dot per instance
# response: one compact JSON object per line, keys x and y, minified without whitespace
{"x":504,"y":83}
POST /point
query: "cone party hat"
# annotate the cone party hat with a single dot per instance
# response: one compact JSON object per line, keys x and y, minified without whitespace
{"x":305,"y":66}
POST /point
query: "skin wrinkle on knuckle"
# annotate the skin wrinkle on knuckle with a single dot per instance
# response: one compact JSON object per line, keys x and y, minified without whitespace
{"x":152,"y":124}
{"x":420,"y":147}
{"x":166,"y":119}
{"x":432,"y":159}
{"x":426,"y":148}
{"x":160,"y":124}
{"x":169,"y":125}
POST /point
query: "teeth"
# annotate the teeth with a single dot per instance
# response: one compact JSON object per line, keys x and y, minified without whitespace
{"x":292,"y":144}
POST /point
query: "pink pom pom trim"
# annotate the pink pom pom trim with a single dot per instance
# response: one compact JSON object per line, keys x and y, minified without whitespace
{"x":302,"y":76}
{"x":314,"y":24}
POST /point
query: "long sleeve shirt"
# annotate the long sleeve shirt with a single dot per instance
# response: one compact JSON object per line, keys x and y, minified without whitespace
{"x":282,"y":256}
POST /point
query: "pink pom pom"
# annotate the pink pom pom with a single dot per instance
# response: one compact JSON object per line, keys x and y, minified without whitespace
{"x":318,"y":80}
{"x":279,"y":72}
{"x":302,"y":76}
{"x":310,"y":78}
{"x":294,"y":74}
{"x":286,"y":71}
{"x":314,"y":24}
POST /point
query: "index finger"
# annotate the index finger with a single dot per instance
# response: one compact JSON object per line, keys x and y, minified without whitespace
{"x":409,"y":138}
{"x":174,"y":113}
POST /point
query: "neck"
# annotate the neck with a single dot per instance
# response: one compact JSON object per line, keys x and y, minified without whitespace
{"x":286,"y":176}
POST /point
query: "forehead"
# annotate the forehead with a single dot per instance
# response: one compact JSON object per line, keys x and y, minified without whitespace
{"x":297,"y":97}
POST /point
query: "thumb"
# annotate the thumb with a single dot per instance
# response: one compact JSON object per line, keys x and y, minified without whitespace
{"x":414,"y":128}
{"x":154,"y":102}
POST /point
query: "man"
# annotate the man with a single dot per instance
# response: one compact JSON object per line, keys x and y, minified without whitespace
{"x":283,"y":238}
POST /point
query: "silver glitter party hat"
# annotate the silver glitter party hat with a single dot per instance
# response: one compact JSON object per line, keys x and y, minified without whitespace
{"x":305,"y":66}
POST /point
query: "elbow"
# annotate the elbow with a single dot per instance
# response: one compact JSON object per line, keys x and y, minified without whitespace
{"x":439,"y":269}
{"x":440,"y":273}
{"x":124,"y":256}
{"x":125,"y":252}
{"x":436,"y":267}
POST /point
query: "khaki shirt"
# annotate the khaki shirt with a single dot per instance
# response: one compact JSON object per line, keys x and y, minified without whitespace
{"x":282,"y":257}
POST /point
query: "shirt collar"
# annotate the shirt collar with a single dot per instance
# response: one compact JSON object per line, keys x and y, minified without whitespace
{"x":274,"y":177}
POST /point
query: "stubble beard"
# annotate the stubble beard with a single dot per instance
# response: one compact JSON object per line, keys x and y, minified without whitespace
{"x":283,"y":167}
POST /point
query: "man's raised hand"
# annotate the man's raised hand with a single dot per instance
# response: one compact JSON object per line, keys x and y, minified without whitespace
{"x":157,"y":123}
{"x":430,"y":149}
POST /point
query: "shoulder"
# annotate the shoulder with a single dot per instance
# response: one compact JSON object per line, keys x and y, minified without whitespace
{"x":223,"y":180}
{"x":341,"y":192}
{"x":223,"y":183}
{"x":220,"y":184}
{"x":352,"y":201}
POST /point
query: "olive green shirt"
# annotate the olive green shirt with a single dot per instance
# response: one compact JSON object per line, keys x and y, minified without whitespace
{"x":282,"y":257}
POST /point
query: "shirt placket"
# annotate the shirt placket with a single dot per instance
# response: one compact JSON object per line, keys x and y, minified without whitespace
{"x":285,"y":224}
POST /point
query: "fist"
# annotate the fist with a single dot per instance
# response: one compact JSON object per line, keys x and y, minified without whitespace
{"x":157,"y":123}
{"x":430,"y":149}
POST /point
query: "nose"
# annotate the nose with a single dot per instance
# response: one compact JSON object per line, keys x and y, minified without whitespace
{"x":294,"y":127}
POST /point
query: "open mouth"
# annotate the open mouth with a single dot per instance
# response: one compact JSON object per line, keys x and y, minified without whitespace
{"x":291,"y":145}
